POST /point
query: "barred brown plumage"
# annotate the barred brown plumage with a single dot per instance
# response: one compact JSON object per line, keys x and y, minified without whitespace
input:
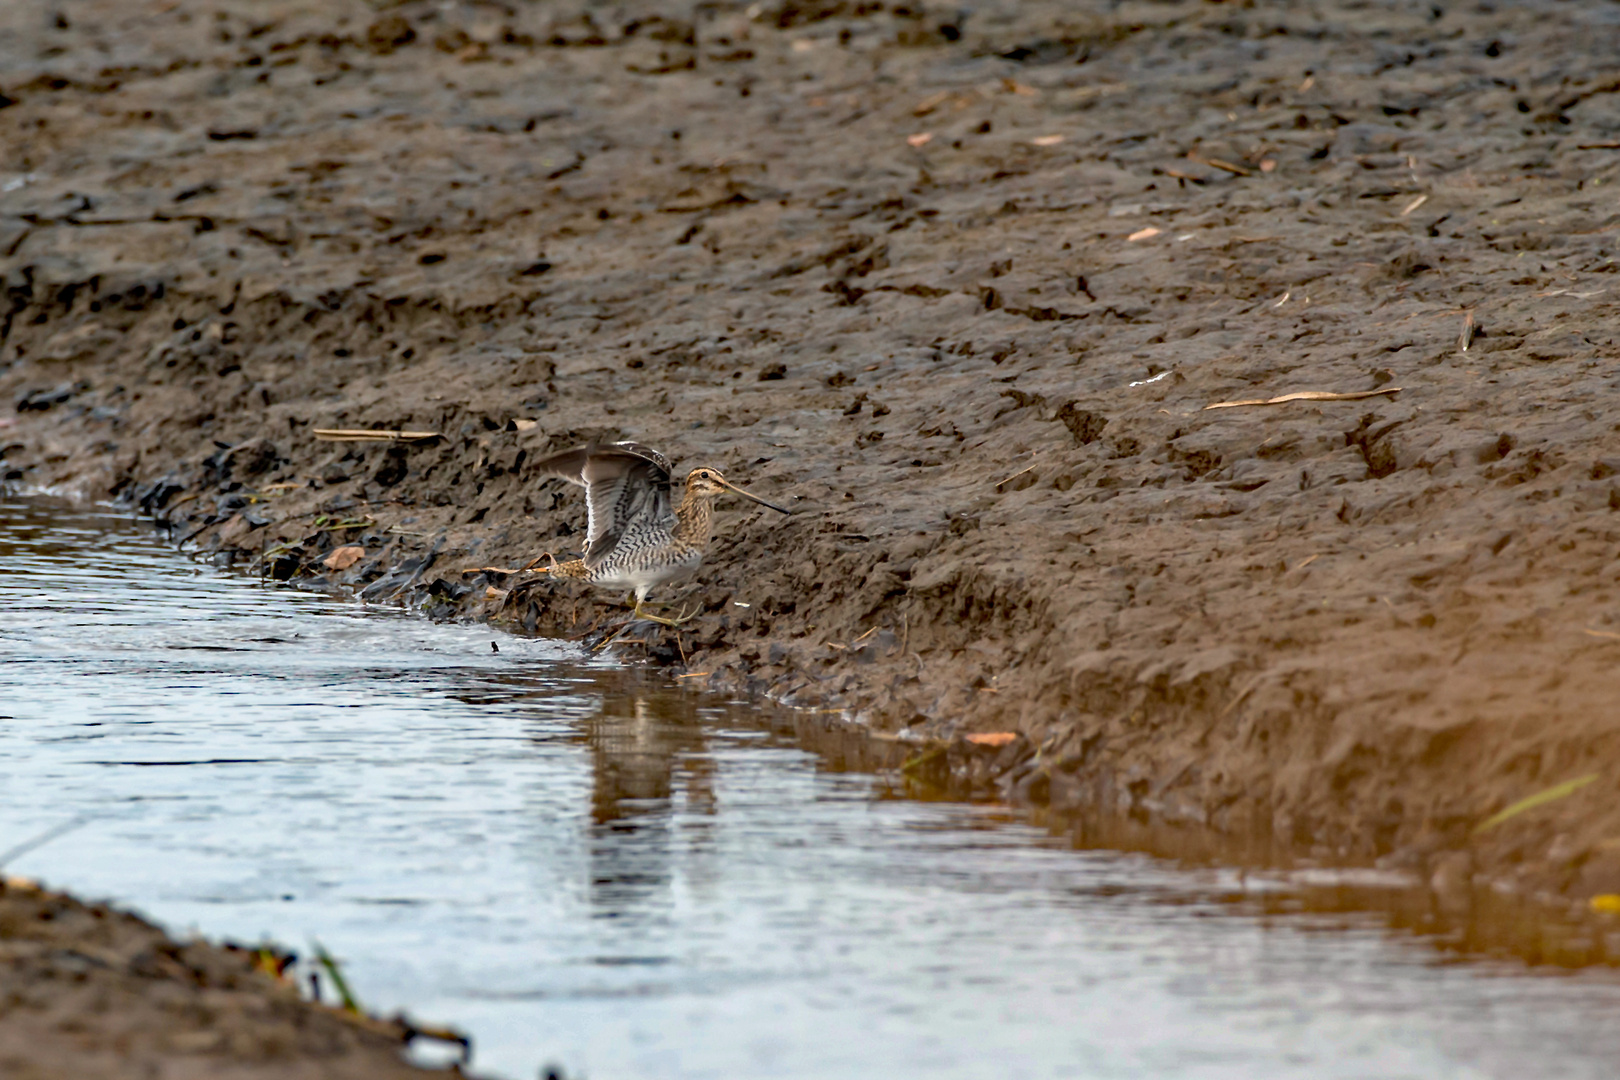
{"x":635,"y":538}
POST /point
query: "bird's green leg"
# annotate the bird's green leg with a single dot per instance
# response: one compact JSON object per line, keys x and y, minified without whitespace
{"x":641,"y":612}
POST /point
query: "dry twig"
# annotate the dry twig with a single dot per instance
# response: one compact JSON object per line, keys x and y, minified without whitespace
{"x":366,"y":435}
{"x":1015,"y":475}
{"x":1306,"y":395}
{"x":1224,"y":166}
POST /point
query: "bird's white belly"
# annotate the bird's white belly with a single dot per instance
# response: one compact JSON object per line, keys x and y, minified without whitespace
{"x":647,"y":577}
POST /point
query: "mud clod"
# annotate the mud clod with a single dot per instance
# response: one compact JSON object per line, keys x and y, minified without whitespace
{"x":91,"y":992}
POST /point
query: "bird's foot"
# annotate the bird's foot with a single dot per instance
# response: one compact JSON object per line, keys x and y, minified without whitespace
{"x":641,"y":612}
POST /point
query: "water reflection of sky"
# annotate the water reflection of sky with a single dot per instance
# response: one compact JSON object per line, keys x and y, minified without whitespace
{"x":581,"y":865}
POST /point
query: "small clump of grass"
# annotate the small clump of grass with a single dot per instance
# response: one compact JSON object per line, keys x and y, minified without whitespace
{"x":335,"y":973}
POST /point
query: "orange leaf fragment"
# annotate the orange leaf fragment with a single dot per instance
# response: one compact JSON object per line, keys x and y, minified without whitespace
{"x":1144,"y":234}
{"x":344,"y":557}
{"x":992,"y":738}
{"x":922,"y":138}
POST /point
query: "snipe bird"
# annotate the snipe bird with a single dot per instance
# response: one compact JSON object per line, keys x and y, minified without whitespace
{"x":635,"y":537}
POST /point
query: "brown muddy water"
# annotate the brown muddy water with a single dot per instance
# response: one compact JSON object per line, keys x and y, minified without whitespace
{"x":580,"y":865}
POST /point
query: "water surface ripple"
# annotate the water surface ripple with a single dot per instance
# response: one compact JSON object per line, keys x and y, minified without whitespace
{"x":580,"y":866}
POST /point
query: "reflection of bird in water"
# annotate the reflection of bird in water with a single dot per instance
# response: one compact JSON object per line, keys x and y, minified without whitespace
{"x":645,"y":749}
{"x":636,"y":538}
{"x":640,"y":745}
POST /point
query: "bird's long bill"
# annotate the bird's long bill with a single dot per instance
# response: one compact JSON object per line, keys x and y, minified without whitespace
{"x":755,"y":498}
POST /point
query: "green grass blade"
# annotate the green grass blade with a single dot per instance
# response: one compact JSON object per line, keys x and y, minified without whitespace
{"x":335,"y":973}
{"x":1540,"y":798}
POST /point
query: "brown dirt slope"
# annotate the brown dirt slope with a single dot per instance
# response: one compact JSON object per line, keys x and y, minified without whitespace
{"x":959,"y":290}
{"x":87,"y":993}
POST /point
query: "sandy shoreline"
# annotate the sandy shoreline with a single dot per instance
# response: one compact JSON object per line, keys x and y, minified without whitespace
{"x":957,"y":291}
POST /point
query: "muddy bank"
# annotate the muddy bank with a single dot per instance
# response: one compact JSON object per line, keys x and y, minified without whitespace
{"x":957,"y":288}
{"x":89,"y":991}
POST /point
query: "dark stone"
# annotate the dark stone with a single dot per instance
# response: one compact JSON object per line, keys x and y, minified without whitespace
{"x":285,"y":566}
{"x":42,"y":400}
{"x":445,"y":589}
{"x":157,"y":496}
{"x":393,"y":468}
{"x":401,"y":575}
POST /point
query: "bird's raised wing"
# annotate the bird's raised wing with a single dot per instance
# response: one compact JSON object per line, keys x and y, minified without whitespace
{"x":568,"y":465}
{"x":623,"y":482}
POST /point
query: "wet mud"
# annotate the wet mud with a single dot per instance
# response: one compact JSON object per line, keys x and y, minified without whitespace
{"x":955,"y":287}
{"x":88,"y":991}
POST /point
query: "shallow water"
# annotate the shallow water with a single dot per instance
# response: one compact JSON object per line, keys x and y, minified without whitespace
{"x":581,"y":866}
